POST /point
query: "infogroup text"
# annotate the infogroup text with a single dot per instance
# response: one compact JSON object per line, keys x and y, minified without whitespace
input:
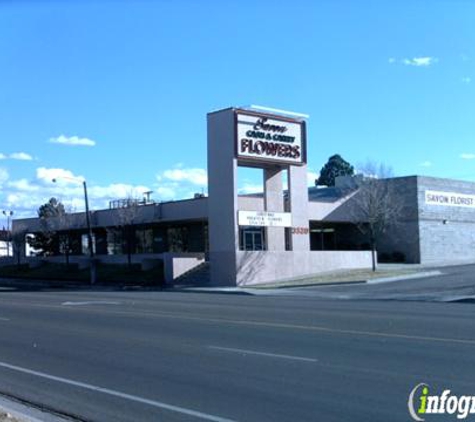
{"x":421,"y":403}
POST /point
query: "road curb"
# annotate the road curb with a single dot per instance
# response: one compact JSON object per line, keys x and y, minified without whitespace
{"x":211,"y":290}
{"x":259,"y":290}
{"x":404,"y":277}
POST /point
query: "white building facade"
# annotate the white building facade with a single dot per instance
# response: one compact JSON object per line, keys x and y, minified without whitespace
{"x":280,"y":234}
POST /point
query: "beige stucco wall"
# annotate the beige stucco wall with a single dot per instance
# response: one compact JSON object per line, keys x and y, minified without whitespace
{"x":268,"y":267}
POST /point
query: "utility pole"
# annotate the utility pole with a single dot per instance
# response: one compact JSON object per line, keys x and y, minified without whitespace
{"x":92,"y":265}
{"x":8,"y":214}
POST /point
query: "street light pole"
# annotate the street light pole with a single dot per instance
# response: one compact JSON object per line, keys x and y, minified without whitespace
{"x":89,"y":235}
{"x":89,"y":229}
{"x":8,"y":214}
{"x":88,"y":221}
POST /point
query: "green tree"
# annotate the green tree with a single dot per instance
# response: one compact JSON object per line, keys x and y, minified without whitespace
{"x":46,"y":241}
{"x":53,"y":208}
{"x":335,"y":166}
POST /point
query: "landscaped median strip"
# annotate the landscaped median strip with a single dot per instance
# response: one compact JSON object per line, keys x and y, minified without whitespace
{"x":350,"y":277}
{"x":337,"y":278}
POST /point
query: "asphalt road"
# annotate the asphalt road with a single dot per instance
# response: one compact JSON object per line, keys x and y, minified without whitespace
{"x":165,"y":356}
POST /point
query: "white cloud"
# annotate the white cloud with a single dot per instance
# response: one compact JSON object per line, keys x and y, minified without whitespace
{"x":23,"y":156}
{"x":467,"y":156}
{"x":180,"y":182}
{"x":23,"y":185}
{"x":69,"y":188}
{"x":195,"y":176}
{"x":466,"y":79}
{"x":72,"y":140}
{"x":166,"y":192}
{"x":117,"y":191}
{"x":26,"y":204}
{"x":392,"y":60}
{"x":311,"y":177}
{"x":426,"y":164}
{"x":420,"y":61}
{"x":16,"y":156}
{"x":417,"y":61}
{"x":3,"y":175}
{"x":368,"y":174}
{"x":26,"y":196}
{"x":14,"y":199}
{"x":62,"y":177}
{"x":249,"y":188}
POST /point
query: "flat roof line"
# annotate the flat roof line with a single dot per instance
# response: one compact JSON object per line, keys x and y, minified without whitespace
{"x":280,"y":111}
{"x":254,"y":107}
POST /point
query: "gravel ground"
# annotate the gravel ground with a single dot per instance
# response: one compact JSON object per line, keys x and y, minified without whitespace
{"x":6,"y":417}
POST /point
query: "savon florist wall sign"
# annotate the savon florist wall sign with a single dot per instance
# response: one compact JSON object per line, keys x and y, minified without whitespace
{"x":450,"y":199}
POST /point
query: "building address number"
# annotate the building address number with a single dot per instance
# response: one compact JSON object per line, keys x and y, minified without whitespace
{"x":300,"y":230}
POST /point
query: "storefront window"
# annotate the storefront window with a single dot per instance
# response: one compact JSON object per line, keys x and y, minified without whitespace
{"x":177,"y":239}
{"x":85,"y":245}
{"x":114,"y":241}
{"x":144,"y":240}
{"x":252,"y":239}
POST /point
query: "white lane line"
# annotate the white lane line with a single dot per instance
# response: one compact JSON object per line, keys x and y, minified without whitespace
{"x":91,"y":302}
{"x":4,"y":319}
{"x":253,"y":352}
{"x":115,"y":393}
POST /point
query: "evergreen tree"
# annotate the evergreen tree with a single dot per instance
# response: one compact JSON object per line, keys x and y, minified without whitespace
{"x":46,"y":242}
{"x":335,"y":166}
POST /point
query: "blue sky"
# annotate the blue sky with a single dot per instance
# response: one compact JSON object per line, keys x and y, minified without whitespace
{"x":117,"y":91}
